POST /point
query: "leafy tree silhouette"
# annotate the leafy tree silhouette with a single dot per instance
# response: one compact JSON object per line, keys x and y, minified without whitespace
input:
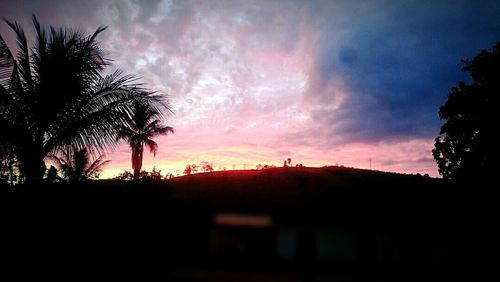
{"x":194,"y":168}
{"x":75,"y":165}
{"x":126,"y":175}
{"x":8,"y":165}
{"x":55,"y":94}
{"x":187,"y":170}
{"x":206,"y":166}
{"x":138,"y":131}
{"x":466,"y":147}
{"x":155,"y":174}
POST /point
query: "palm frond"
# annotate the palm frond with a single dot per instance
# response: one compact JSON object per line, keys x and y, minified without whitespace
{"x":95,"y":125}
{"x":65,"y":162}
{"x":96,"y":166}
{"x":163,"y":130}
{"x":58,"y":161}
{"x":93,"y":37}
{"x":7,"y":61}
{"x":152,"y":145}
{"x":124,"y":133}
{"x":40,"y":50}
{"x":8,"y":73}
{"x":152,"y":124}
{"x":23,"y":54}
{"x":76,"y":165}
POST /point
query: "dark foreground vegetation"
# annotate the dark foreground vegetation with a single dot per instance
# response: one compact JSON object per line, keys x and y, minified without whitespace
{"x":282,"y":224}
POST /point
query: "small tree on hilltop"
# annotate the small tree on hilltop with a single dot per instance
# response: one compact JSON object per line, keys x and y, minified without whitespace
{"x":187,"y":170}
{"x":194,"y":168}
{"x":207,"y":167}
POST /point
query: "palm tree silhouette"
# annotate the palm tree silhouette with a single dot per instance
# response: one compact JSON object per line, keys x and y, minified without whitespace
{"x":138,"y":131}
{"x":75,"y":165}
{"x":55,"y":94}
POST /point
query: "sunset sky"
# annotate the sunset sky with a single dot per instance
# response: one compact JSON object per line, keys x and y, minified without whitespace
{"x":256,"y":82}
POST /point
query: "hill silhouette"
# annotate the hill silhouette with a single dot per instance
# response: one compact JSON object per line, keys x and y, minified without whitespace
{"x":294,"y":188}
{"x":296,"y":223}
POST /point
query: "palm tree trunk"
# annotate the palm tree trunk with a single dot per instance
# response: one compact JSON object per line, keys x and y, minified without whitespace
{"x":134,"y":163}
{"x":137,"y":160}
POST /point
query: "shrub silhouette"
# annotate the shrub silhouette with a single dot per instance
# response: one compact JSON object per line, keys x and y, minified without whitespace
{"x":126,"y":175}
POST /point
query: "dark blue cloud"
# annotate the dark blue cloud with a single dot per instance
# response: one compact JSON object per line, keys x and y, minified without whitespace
{"x":398,"y":59}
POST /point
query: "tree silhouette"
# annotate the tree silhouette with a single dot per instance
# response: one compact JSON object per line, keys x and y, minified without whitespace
{"x":8,"y":165}
{"x":75,"y":165}
{"x":139,"y":130}
{"x":465,"y":148}
{"x":54,"y":94}
{"x":126,"y":175}
{"x":194,"y":168}
{"x":155,"y":174}
{"x":187,"y":170}
{"x":52,"y":174}
{"x":206,"y":166}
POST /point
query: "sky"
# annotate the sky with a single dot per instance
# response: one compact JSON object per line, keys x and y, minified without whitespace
{"x":353,"y":83}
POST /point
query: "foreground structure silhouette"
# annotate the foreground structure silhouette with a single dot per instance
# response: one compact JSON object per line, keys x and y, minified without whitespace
{"x":295,"y":224}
